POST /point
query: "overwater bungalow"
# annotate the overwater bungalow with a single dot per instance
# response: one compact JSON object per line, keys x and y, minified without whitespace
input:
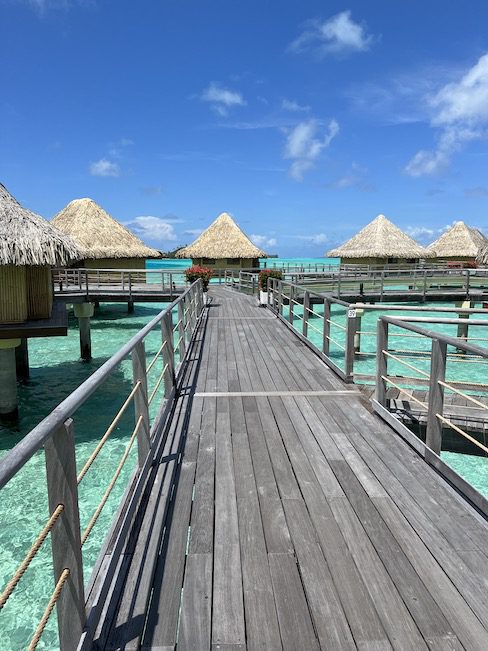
{"x":461,"y":243}
{"x":223,"y":245}
{"x":482,"y":257}
{"x":29,"y":247}
{"x":104,"y":242}
{"x":380,"y":243}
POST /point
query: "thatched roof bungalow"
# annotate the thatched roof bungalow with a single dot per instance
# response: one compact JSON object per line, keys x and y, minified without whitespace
{"x":482,"y":257}
{"x":29,"y":247}
{"x":380,"y":242}
{"x":460,"y":243}
{"x":104,"y":242}
{"x":223,"y":245}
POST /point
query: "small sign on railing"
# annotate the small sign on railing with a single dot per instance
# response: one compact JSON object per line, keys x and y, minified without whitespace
{"x":351,"y":314}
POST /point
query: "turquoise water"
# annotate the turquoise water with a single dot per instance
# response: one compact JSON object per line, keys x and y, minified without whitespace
{"x":55,"y":372}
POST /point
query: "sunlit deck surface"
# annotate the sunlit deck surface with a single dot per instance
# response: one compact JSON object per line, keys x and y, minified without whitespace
{"x":286,"y":515}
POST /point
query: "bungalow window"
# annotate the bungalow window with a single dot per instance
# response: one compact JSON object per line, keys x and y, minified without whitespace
{"x":208,"y":260}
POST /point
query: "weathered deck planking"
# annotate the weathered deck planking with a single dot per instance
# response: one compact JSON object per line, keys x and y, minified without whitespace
{"x":296,"y":518}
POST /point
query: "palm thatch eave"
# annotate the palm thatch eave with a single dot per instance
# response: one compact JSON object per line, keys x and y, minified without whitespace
{"x":98,"y":235}
{"x":381,"y":239}
{"x":222,"y":239}
{"x":27,"y":239}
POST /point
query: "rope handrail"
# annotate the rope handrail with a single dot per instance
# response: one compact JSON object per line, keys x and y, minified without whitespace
{"x":156,"y":387}
{"x":401,"y":361}
{"x":464,"y":395}
{"x":109,"y":431}
{"x":49,"y":609}
{"x":110,"y":486}
{"x":154,"y":359}
{"x":311,"y":325}
{"x":462,"y":432}
{"x":409,"y":395}
{"x":338,"y":325}
{"x":20,"y":571}
{"x":336,"y":343}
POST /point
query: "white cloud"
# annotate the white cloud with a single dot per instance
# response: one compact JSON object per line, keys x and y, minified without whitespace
{"x":294,"y":107}
{"x":337,"y":35}
{"x":460,"y":109}
{"x":355,"y":178}
{"x":318,"y":238}
{"x":263,"y":240}
{"x":303,"y":146}
{"x":425,"y":234}
{"x":154,"y":228}
{"x":221,"y":99}
{"x":104,"y":167}
{"x":193,"y":231}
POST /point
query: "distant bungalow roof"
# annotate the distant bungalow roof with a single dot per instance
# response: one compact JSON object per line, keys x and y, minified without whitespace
{"x":97,"y":234}
{"x":28,"y":239}
{"x":381,"y":239}
{"x":460,"y":241}
{"x":222,"y":239}
{"x":482,"y":257}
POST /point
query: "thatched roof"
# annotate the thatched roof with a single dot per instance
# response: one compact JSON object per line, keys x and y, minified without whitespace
{"x":381,"y":239}
{"x":29,"y":239}
{"x":97,"y":234}
{"x":482,"y":257}
{"x":222,"y":239}
{"x":460,"y":241}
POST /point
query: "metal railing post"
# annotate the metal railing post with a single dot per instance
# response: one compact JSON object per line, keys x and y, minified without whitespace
{"x":280,"y":297}
{"x":468,"y":278}
{"x":62,"y":489}
{"x":239,"y":287}
{"x":141,"y":406}
{"x":381,"y":362}
{"x":306,"y":312}
{"x":168,"y":353}
{"x":291,"y":304}
{"x":181,"y":329}
{"x":350,"y":335}
{"x":436,"y":395}
{"x":326,"y":333}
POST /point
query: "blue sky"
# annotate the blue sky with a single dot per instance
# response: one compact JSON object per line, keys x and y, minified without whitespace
{"x":303,"y":119}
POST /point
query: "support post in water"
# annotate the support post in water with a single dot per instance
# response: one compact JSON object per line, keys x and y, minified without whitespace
{"x":22,"y":360}
{"x":436,"y":395}
{"x":141,"y":405}
{"x":168,"y":353}
{"x":8,"y":379}
{"x":381,"y":362}
{"x":84,"y":312}
{"x":62,"y":489}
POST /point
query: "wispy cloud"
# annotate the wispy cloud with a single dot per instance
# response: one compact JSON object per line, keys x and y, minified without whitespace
{"x":478,"y":192}
{"x":104,"y":167}
{"x":339,"y":35}
{"x":157,"y":229}
{"x":425,"y":234}
{"x":356,"y":178}
{"x":193,"y":231}
{"x":42,"y":6}
{"x":263,"y":240}
{"x":317,"y":238}
{"x":304,"y":146}
{"x":294,"y":107}
{"x":152,"y":190}
{"x":460,"y":110}
{"x":221,"y":99}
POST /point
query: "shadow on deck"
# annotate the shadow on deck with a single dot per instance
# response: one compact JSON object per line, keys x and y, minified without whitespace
{"x":283,"y":514}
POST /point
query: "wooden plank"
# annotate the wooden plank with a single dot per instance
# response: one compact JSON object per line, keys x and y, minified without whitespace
{"x":228,"y":606}
{"x":329,"y":619}
{"x":196,"y":605}
{"x":297,"y":631}
{"x":163,"y":612}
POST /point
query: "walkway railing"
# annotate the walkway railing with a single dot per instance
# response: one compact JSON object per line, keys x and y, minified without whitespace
{"x":444,"y":350}
{"x":56,"y":433}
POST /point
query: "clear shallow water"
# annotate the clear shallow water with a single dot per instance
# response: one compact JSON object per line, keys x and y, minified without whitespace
{"x":55,"y":372}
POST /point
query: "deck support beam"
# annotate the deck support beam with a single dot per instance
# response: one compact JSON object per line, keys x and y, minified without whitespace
{"x":8,"y":379}
{"x":84,"y":312}
{"x":22,"y":360}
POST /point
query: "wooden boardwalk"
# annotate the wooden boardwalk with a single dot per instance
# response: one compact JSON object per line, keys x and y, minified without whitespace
{"x":285,"y":515}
